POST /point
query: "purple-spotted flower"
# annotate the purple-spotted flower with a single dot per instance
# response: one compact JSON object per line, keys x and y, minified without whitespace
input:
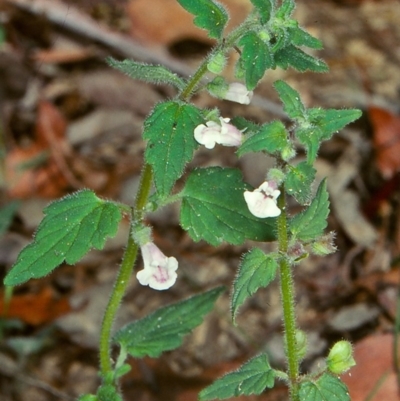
{"x":238,"y":93}
{"x":159,"y":270}
{"x":262,"y":201}
{"x":224,"y":134}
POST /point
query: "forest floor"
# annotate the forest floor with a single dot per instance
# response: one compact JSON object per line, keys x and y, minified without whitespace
{"x":68,"y":121}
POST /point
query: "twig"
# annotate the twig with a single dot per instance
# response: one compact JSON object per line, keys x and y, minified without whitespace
{"x":9,"y":368}
{"x":70,"y":18}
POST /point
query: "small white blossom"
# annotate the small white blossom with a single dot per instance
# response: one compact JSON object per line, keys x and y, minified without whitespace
{"x":238,"y":93}
{"x":224,"y":134}
{"x":159,"y":271}
{"x":262,"y":201}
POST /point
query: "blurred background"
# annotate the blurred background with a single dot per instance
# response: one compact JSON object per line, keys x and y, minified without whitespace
{"x":68,"y":122}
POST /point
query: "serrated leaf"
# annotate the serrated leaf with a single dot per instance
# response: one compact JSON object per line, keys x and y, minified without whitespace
{"x":214,"y":209}
{"x":70,"y":228}
{"x":292,"y":104}
{"x":311,"y":223}
{"x":251,"y":378}
{"x":332,"y":120}
{"x":209,"y":15}
{"x":248,"y":127}
{"x":170,"y":131}
{"x":292,"y":56}
{"x":300,"y":37}
{"x":270,"y":137}
{"x":256,"y":270}
{"x":163,"y":330}
{"x":256,"y":58}
{"x":320,"y":125}
{"x":265,"y":9}
{"x":326,"y":388}
{"x":156,"y":74}
{"x":298,"y":182}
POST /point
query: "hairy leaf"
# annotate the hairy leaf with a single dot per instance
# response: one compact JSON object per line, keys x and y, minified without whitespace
{"x":270,"y":137}
{"x":170,"y":131}
{"x":256,"y":58}
{"x":299,"y":180}
{"x":214,"y":209}
{"x":299,"y":37}
{"x":256,"y":270}
{"x":209,"y":15}
{"x":163,"y":330}
{"x":251,"y":378}
{"x":331,"y":120}
{"x":326,"y":388}
{"x":290,"y":98}
{"x":292,"y":56}
{"x":155,"y":74}
{"x":311,"y":223}
{"x":265,"y":8}
{"x":70,"y":228}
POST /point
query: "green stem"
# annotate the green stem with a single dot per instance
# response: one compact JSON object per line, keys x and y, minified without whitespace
{"x":124,"y":274}
{"x":224,"y":46}
{"x":288,"y":294}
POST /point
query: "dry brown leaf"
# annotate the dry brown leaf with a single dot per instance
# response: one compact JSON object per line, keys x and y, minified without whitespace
{"x":162,"y":22}
{"x":386,"y":128}
{"x":36,"y":309}
{"x":40,"y":169}
{"x":374,"y":370}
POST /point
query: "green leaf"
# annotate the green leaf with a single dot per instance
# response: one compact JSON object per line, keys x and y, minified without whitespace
{"x":292,"y":104}
{"x":7,"y":214}
{"x":170,"y":131}
{"x":265,"y":9}
{"x":300,"y":37}
{"x":311,"y":223}
{"x":331,"y":120}
{"x":70,"y":228}
{"x":271,"y":138}
{"x":251,"y":378}
{"x":256,"y":270}
{"x":214,"y":209}
{"x":256,"y":58}
{"x":163,"y":330}
{"x":326,"y":388}
{"x":286,"y":9}
{"x":248,"y":127}
{"x":155,"y":74}
{"x":210,"y":15}
{"x":292,"y":56}
{"x":298,"y":182}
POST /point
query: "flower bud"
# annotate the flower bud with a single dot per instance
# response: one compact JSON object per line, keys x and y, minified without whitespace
{"x":324,"y":245}
{"x":238,"y":93}
{"x":340,"y":358}
{"x":217,"y":63}
{"x":288,"y":153}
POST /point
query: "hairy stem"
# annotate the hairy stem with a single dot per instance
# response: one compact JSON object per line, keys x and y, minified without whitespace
{"x":124,"y":274}
{"x":288,"y":295}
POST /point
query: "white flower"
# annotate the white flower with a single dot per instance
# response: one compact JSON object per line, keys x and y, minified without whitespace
{"x":212,"y":133}
{"x":159,"y":271}
{"x":238,"y":93}
{"x":262,"y":201}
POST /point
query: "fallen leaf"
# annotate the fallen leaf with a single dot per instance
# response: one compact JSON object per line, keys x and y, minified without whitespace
{"x":171,"y":23}
{"x":36,"y":309}
{"x":386,"y":138}
{"x":40,"y":169}
{"x":374,"y":370}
